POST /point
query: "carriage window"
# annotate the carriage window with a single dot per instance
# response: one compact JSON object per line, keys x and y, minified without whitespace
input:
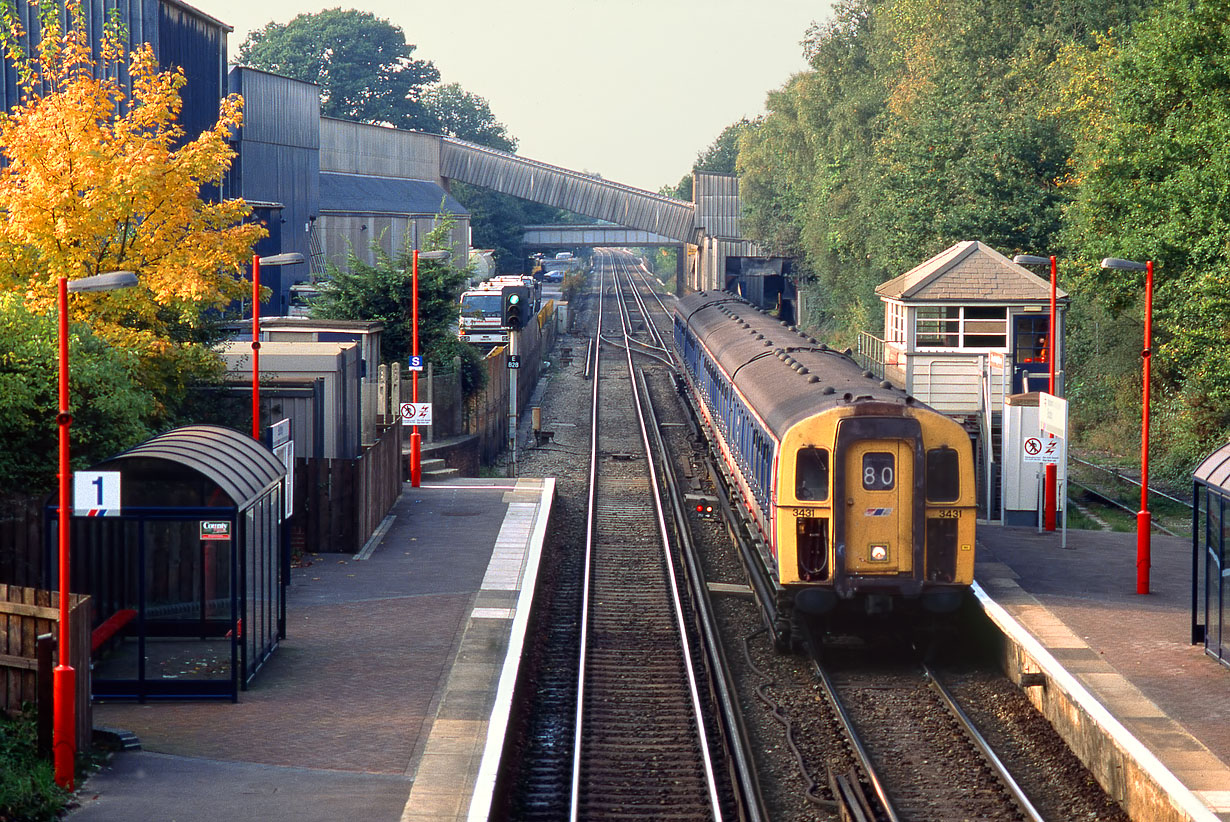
{"x":811,"y":474}
{"x":879,"y":471}
{"x":943,"y":475}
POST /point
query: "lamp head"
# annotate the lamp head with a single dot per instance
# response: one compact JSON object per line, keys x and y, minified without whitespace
{"x":1031,"y":259}
{"x":434,"y":255}
{"x":289,"y":258}
{"x":1123,"y":265}
{"x":103,"y":282}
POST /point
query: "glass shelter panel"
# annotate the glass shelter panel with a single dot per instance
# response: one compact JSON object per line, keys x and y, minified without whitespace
{"x":187,"y":585}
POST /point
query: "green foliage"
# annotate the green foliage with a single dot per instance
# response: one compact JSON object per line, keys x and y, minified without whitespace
{"x":27,"y":783}
{"x":361,"y":62}
{"x":111,"y":409}
{"x":497,"y":221}
{"x":384,"y":292}
{"x":458,"y":113}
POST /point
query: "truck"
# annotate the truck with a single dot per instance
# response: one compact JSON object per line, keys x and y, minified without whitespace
{"x":479,"y":317}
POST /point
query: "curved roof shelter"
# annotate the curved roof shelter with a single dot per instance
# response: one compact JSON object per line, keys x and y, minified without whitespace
{"x":187,"y":576}
{"x":1210,"y":549}
{"x":1215,"y":469}
{"x":242,"y":468}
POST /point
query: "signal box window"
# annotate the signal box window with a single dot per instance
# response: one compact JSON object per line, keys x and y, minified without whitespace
{"x":879,"y":471}
{"x":811,"y":474}
{"x":943,"y":475}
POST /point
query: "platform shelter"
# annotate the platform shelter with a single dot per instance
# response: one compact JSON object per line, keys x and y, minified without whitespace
{"x":1211,"y":554}
{"x":188,"y":578}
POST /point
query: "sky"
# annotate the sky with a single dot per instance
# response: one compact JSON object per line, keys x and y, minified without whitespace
{"x":633,"y":90}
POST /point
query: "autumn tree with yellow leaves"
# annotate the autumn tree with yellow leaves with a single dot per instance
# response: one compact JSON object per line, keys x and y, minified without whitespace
{"x":97,"y":175}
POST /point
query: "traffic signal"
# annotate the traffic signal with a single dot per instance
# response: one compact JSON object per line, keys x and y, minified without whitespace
{"x":516,"y":299}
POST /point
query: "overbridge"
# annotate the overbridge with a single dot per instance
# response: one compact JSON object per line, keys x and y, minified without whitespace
{"x":591,"y":236}
{"x":579,"y":193}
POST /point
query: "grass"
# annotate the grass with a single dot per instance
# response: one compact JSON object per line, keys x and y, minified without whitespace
{"x":27,"y":783}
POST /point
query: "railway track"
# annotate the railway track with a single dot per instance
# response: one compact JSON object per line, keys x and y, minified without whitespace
{"x":633,"y":730}
{"x":914,"y":754}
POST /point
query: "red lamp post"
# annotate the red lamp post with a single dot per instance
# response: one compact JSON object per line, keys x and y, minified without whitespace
{"x":64,"y":678}
{"x":1051,"y":482}
{"x":1144,"y":520}
{"x":289,"y":258}
{"x":416,"y":441}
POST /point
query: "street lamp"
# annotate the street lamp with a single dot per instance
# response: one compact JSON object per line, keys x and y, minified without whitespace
{"x":1051,"y":473}
{"x":1143,"y":519}
{"x":64,"y":678}
{"x":289,"y":258}
{"x":416,"y":441}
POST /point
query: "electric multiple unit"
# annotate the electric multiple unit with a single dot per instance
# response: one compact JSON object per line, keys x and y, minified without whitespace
{"x":860,"y":500}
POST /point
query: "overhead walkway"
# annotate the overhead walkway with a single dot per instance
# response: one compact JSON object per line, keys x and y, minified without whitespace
{"x":598,"y":236}
{"x":674,"y":220}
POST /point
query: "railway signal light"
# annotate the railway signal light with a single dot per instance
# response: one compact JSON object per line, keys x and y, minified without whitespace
{"x":516,"y":299}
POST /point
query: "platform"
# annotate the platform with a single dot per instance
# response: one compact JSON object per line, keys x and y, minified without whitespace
{"x":1166,"y":703}
{"x":376,"y":705}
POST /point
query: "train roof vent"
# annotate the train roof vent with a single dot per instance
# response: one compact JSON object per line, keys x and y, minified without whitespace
{"x":868,"y":374}
{"x":804,"y":369}
{"x":847,"y":396}
{"x":828,"y":389}
{"x":760,"y":336}
{"x":885,"y":384}
{"x":814,"y":378}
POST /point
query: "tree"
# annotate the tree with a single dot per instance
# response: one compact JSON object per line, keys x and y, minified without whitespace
{"x":110,"y":407}
{"x":458,"y":113}
{"x":96,"y":175}
{"x":383,"y":292}
{"x":361,"y":62}
{"x":1151,"y":174}
{"x":96,"y":178}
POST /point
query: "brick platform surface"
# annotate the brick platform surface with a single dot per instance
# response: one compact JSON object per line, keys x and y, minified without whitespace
{"x":336,"y":722}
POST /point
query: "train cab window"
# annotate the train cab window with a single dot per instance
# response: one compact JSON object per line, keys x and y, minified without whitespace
{"x":811,"y":474}
{"x":943,"y":474}
{"x":879,"y":471}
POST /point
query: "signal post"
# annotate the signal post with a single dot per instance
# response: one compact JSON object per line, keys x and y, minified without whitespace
{"x":515,"y":302}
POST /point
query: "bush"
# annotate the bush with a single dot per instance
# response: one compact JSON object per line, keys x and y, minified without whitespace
{"x":27,"y":783}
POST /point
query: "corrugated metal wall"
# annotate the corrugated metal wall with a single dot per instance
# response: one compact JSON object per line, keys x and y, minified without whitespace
{"x":279,"y":162}
{"x":717,"y":203}
{"x":359,"y":148}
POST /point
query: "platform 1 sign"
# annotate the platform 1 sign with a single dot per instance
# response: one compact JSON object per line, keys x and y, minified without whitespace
{"x":96,"y":493}
{"x":1043,"y":449}
{"x":416,"y":413}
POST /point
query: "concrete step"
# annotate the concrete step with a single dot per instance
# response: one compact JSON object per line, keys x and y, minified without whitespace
{"x":440,"y":473}
{"x":431,"y":465}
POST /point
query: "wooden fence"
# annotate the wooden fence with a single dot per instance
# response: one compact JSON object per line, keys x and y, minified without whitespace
{"x":340,"y":502}
{"x":25,"y":613}
{"x":22,"y":533}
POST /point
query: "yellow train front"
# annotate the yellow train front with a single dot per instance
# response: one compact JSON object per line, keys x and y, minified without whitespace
{"x":860,"y":500}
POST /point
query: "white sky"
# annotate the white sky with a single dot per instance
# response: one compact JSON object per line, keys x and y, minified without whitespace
{"x":630,"y":89}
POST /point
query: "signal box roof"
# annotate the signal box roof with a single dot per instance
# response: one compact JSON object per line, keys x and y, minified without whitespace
{"x":969,"y":272}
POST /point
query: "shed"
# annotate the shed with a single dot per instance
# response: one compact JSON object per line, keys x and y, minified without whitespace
{"x":967,"y":309}
{"x":338,"y":435}
{"x":1210,"y":544}
{"x":192,"y":567}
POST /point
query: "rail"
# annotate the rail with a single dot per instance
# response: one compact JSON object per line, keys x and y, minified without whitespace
{"x":592,"y":589}
{"x":870,"y":353}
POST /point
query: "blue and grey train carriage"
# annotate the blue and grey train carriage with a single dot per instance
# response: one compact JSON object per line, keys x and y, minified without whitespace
{"x":860,"y":499}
